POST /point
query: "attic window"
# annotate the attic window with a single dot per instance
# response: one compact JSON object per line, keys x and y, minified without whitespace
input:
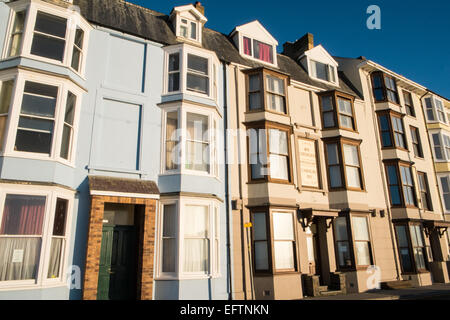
{"x":258,"y":50}
{"x":188,"y":29}
{"x":323,"y":71}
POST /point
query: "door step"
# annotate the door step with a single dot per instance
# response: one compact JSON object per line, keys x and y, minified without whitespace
{"x":393,"y":285}
{"x":331,"y":293}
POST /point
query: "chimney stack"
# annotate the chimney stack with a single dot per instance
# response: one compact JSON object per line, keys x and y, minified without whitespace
{"x":199,"y":7}
{"x":296,"y":49}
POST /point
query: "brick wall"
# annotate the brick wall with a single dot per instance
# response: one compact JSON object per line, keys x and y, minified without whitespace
{"x":146,"y":229}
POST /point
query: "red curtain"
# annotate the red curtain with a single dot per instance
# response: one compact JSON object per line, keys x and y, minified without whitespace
{"x":23,"y":215}
{"x":265,"y":52}
{"x":247,"y":46}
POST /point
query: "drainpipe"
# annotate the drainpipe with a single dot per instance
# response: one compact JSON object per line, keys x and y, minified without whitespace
{"x":383,"y":177}
{"x":227,"y":185}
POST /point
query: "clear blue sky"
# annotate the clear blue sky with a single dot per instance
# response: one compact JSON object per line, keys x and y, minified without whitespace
{"x":414,"y":39}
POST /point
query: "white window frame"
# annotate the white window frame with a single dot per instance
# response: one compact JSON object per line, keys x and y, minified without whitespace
{"x":51,"y":194}
{"x":184,"y":50}
{"x":435,"y":110}
{"x":329,"y":71}
{"x":442,"y":145}
{"x":181,"y":203}
{"x":441,"y":190}
{"x":64,"y":86}
{"x":74,"y":20}
{"x":214,"y":156}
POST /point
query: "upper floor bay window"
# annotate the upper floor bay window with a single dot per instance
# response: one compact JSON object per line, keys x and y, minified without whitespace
{"x":322,"y":71}
{"x":267,"y":91}
{"x":411,"y":247}
{"x":402,"y":191}
{"x":392,"y":130}
{"x":43,"y":118}
{"x":384,"y":88}
{"x":274,"y":241}
{"x":191,"y":71}
{"x":344,"y":164}
{"x":269,"y":153}
{"x":33,"y":236}
{"x":53,"y":34}
{"x":337,"y":111}
{"x":444,"y":183}
{"x":190,"y":141}
{"x":352,"y":242}
{"x":434,"y":109}
{"x":441,"y":146}
{"x":189,"y":241}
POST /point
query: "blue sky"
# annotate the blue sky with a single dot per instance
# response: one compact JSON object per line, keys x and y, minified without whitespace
{"x":414,"y":39}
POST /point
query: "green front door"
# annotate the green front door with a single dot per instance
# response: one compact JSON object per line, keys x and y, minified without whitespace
{"x":117,"y":273}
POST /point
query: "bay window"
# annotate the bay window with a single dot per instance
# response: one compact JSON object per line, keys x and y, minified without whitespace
{"x":190,"y":141}
{"x":191,"y":70}
{"x":266,"y":91}
{"x":441,"y":146}
{"x":269,"y":153}
{"x":392,"y":130}
{"x":384,"y":88}
{"x":337,"y":111}
{"x":411,"y":246}
{"x":274,"y":243}
{"x":401,"y":184}
{"x":344,"y":164}
{"x":6,"y":89}
{"x":53,"y":35}
{"x":258,"y":50}
{"x":434,"y":109}
{"x":189,"y":240}
{"x":352,"y":241}
{"x":68,"y":129}
{"x":322,"y":71}
{"x":33,"y":236}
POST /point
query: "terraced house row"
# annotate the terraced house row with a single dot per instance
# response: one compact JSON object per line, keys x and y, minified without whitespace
{"x":136,"y":148}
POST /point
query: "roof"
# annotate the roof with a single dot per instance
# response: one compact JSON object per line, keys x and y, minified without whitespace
{"x":151,"y":25}
{"x":112,"y":184}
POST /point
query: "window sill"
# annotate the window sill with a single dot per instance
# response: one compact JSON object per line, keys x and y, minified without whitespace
{"x":35,"y":156}
{"x":11,"y":286}
{"x":181,"y":278}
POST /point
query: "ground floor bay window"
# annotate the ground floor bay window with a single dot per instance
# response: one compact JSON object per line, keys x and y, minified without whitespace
{"x":189,"y":238}
{"x":411,"y":247}
{"x":33,"y":235}
{"x":353,"y":245}
{"x":274,"y":241}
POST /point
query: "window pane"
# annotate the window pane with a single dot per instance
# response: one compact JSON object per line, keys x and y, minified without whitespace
{"x":340,"y":227}
{"x":70,"y":108}
{"x":169,"y":220}
{"x":263,"y":51}
{"x":332,"y":154}
{"x":51,"y":24}
{"x":26,"y":252}
{"x":193,"y":30}
{"x":247,"y":46}
{"x":255,"y":101}
{"x":360,"y":229}
{"x":278,"y":142}
{"x":48,"y":47}
{"x":395,"y":195}
{"x":254,"y":82}
{"x":23,"y":215}
{"x":172,"y":152}
{"x":279,"y":167}
{"x":196,"y":221}
{"x":5,"y":96}
{"x":335,"y":177}
{"x":198,"y":64}
{"x":327,"y":103}
{"x":197,"y":83}
{"x":76,"y":59}
{"x":174,"y":62}
{"x":283,"y":227}
{"x":321,"y":70}
{"x":419,"y":258}
{"x":168,"y":255}
{"x":353,"y":177}
{"x":39,"y":99}
{"x":275,"y":85}
{"x":344,"y":258}
{"x":261,"y":256}
{"x":346,"y":122}
{"x":59,"y":224}
{"x":17,"y":34}
{"x":284,"y":255}
{"x":259,"y":226}
{"x":328,"y":120}
{"x":345,"y":106}
{"x":56,"y":252}
{"x":351,"y":155}
{"x":402,"y":237}
{"x":362,"y":253}
{"x":379,"y":95}
{"x":31,"y":140}
{"x":196,"y":255}
{"x":276,"y":103}
{"x":65,"y":143}
{"x":406,"y":260}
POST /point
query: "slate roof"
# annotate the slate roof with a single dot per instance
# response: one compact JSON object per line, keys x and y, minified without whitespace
{"x":151,"y":25}
{"x":99,"y":183}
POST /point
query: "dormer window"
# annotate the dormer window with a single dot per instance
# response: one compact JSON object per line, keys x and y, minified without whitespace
{"x":188,"y":22}
{"x":323,"y":71}
{"x":259,"y":50}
